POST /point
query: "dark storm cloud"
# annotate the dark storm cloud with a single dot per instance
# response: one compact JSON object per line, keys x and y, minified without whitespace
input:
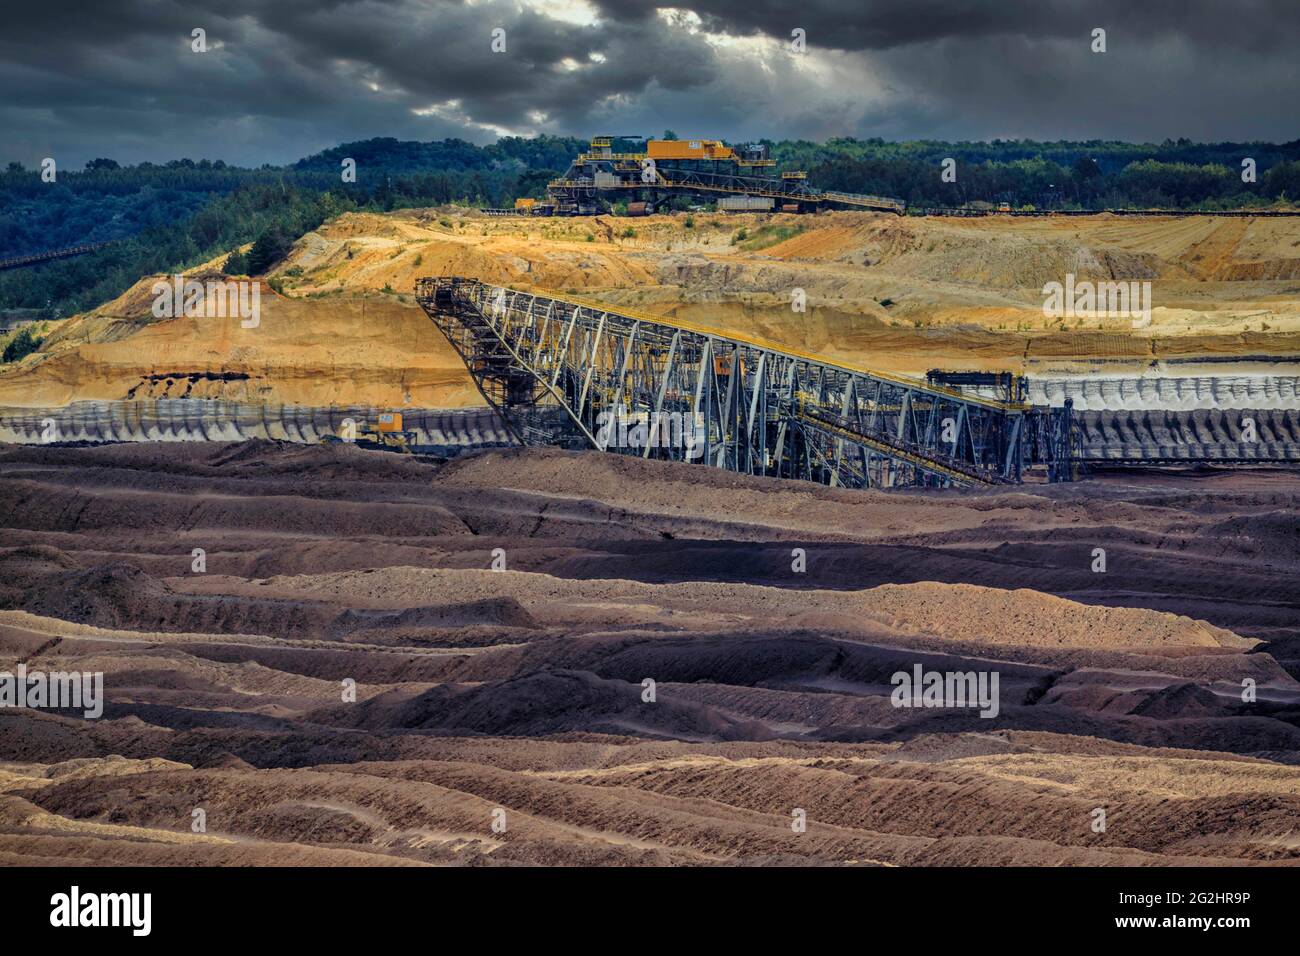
{"x":1205,"y":69}
{"x":884,"y":24}
{"x":283,"y":78}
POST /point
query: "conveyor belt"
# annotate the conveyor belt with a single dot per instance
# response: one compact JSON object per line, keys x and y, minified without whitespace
{"x":759,"y":408}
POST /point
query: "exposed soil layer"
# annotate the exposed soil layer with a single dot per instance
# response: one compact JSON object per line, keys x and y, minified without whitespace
{"x":771,"y":617}
{"x":896,"y":294}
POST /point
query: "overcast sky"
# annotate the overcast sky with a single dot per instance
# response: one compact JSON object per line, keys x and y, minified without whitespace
{"x":285,"y":78}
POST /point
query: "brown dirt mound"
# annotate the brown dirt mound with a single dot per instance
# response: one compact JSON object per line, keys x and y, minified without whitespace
{"x":1022,"y":617}
{"x":358,"y":688}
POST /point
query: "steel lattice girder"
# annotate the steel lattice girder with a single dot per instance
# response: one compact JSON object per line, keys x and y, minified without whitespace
{"x":748,"y":407}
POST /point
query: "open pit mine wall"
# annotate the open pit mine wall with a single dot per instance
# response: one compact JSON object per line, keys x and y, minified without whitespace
{"x":1173,"y":435}
{"x":1170,"y":434}
{"x":1179,"y":418}
{"x":1169,"y":392}
{"x":189,"y":419}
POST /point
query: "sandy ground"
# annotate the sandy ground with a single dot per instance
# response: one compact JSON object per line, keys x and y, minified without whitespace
{"x":299,"y":352}
{"x":898,"y":294}
{"x":519,"y":694}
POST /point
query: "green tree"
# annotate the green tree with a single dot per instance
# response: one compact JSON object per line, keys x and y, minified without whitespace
{"x":1283,"y":181}
{"x":271,"y":246}
{"x":236,"y":264}
{"x":533,"y":182}
{"x":22,"y":344}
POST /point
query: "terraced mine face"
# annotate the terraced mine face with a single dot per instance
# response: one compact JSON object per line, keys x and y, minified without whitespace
{"x":895,"y":294}
{"x":311,"y":646}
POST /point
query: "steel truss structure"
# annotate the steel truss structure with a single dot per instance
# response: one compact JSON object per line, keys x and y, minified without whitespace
{"x":567,"y":372}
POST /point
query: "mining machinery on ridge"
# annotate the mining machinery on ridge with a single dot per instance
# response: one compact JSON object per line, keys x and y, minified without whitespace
{"x":646,"y":175}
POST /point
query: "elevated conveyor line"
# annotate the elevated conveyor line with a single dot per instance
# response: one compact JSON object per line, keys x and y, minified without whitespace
{"x":19,"y":262}
{"x":583,"y":374}
{"x":695,"y":182}
{"x":767,"y":344}
{"x":954,"y":471}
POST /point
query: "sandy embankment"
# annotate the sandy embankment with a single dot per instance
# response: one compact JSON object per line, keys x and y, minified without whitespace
{"x":903,"y":295}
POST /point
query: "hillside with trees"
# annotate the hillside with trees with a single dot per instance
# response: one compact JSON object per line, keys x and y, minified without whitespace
{"x":166,"y":217}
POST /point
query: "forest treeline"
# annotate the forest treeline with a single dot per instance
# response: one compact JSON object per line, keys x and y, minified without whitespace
{"x":170,"y":216}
